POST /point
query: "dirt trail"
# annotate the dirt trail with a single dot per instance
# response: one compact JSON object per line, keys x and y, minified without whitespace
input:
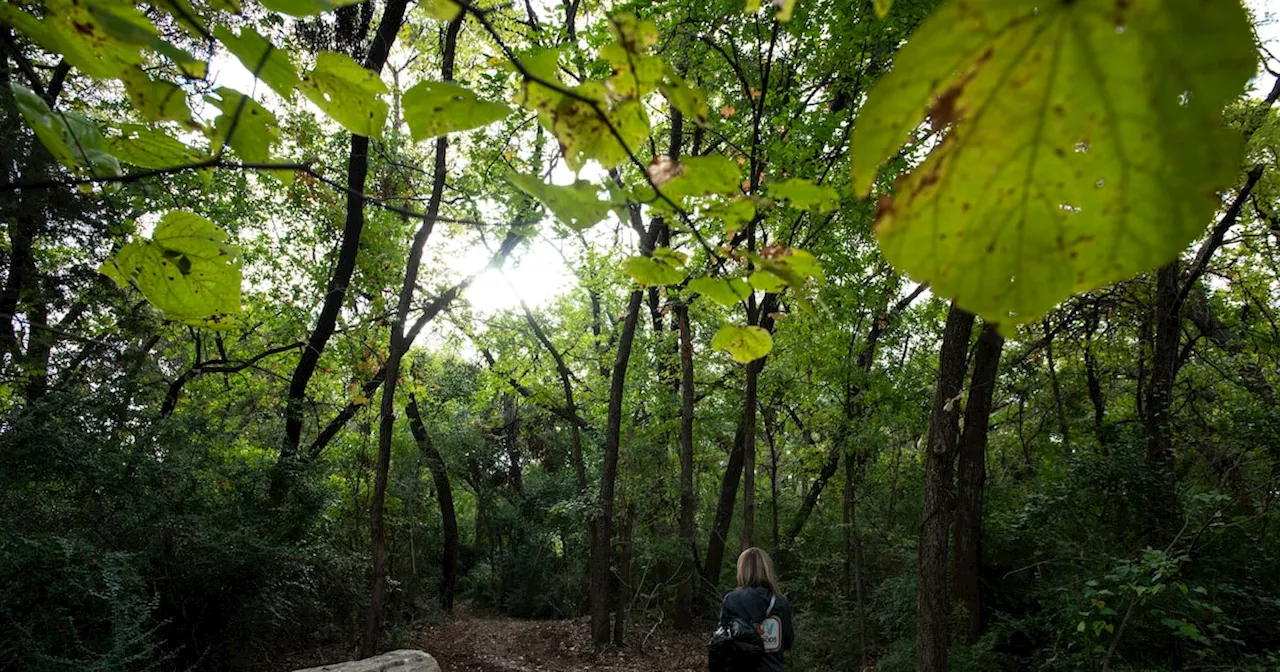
{"x":478,"y":643}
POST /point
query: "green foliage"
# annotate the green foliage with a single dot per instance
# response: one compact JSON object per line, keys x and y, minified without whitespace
{"x":577,"y":205}
{"x":1069,"y":159}
{"x":187,"y":269}
{"x":437,"y":108}
{"x":744,"y":344}
{"x":146,"y":147}
{"x":805,"y":195}
{"x":724,"y":291}
{"x":72,"y":139}
{"x":271,"y":65}
{"x":249,"y":128}
{"x":347,"y":92}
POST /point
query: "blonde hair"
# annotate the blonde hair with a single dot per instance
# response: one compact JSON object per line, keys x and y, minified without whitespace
{"x":755,"y":568}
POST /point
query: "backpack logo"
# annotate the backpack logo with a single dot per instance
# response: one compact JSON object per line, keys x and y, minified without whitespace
{"x":770,"y":630}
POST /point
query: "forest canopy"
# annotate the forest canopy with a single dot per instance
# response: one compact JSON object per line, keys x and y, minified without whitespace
{"x":322,"y":317}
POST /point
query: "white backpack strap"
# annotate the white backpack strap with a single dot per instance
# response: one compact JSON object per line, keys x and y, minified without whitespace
{"x":772,"y":599}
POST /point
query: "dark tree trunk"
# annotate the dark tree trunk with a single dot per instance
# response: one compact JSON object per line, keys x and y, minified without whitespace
{"x":601,"y":551}
{"x":399,"y":344}
{"x":1164,"y":357}
{"x":932,"y":597}
{"x":724,"y":515}
{"x":336,"y":292}
{"x":444,"y":495}
{"x":622,"y":596}
{"x":748,"y":525}
{"x":1091,"y":373}
{"x":684,"y":589}
{"x":967,"y":559}
{"x":511,"y":442}
{"x":1053,"y":382}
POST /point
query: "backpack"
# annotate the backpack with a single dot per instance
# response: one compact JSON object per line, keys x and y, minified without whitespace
{"x":736,"y":646}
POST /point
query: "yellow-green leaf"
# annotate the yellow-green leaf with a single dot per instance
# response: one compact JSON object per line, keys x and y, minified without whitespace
{"x":882,"y":7}
{"x":577,"y":205}
{"x":253,"y":128}
{"x":785,"y":10}
{"x":187,"y":269}
{"x":436,"y":108}
{"x":724,"y":291}
{"x":149,"y":148}
{"x":156,"y":99}
{"x":1083,"y":143}
{"x":650,"y":271}
{"x":735,"y":213}
{"x":685,"y":97}
{"x":441,"y":10}
{"x":269,"y":64}
{"x":348,"y":92}
{"x":71,"y":139}
{"x":744,"y":344}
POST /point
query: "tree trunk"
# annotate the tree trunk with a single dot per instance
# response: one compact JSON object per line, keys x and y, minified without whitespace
{"x":601,"y":551}
{"x":724,"y":515}
{"x":625,"y":590}
{"x":444,"y":495}
{"x":932,"y":598}
{"x":395,"y":354}
{"x":748,"y":525}
{"x":1053,"y":382}
{"x":967,"y":560}
{"x":511,"y":442}
{"x":1091,"y":373}
{"x":684,"y":589}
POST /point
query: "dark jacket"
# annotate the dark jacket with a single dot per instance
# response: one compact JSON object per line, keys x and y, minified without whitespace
{"x":750,"y":605}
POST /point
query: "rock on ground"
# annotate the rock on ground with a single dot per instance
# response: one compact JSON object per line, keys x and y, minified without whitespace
{"x":404,"y":660}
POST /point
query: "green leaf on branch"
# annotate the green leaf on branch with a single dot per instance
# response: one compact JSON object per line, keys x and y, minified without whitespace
{"x":805,"y":195}
{"x":156,"y":99}
{"x":348,"y":92}
{"x":744,"y":344}
{"x":649,"y":271}
{"x":735,"y":213}
{"x":71,"y":139}
{"x":252,"y":127}
{"x":670,"y":257}
{"x":148,"y":148}
{"x":766,"y":281}
{"x":724,"y":291}
{"x":685,"y":97}
{"x":785,"y":10}
{"x":787,"y":265}
{"x":271,"y":65}
{"x":1083,"y":144}
{"x":441,"y":10}
{"x":585,"y":134}
{"x":437,"y":108}
{"x":71,"y":29}
{"x":576,"y":205}
{"x":305,"y":7}
{"x":703,"y":176}
{"x":187,"y":269}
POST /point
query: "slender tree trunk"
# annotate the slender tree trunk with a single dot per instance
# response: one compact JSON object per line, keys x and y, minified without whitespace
{"x":601,"y":554}
{"x":724,"y":515}
{"x":684,"y":589}
{"x":748,"y":526}
{"x":444,"y":495}
{"x":1057,"y":389}
{"x":511,"y":442}
{"x":625,"y":590}
{"x":398,"y":346}
{"x":846,"y":527}
{"x":932,"y":598}
{"x":1091,"y":373}
{"x":967,"y":559}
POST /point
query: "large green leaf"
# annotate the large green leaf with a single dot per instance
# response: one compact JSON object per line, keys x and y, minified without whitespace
{"x":305,"y":7}
{"x":75,"y":30}
{"x":744,"y":344}
{"x":685,"y":97}
{"x":724,"y":291}
{"x":652,"y":271}
{"x":1082,"y":143}
{"x":577,"y":205}
{"x":72,"y":139}
{"x":187,"y":270}
{"x":258,"y":56}
{"x":703,"y":176}
{"x":156,"y":99}
{"x":803,"y":194}
{"x":255,"y":128}
{"x":148,"y":148}
{"x":348,"y":92}
{"x":436,"y":108}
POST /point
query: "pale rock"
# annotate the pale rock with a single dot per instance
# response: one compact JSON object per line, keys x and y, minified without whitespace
{"x":404,"y":660}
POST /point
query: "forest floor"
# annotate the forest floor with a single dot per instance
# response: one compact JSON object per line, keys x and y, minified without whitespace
{"x":474,"y":642}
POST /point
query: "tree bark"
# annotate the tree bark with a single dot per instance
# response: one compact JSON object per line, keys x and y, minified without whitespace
{"x":1053,"y":382}
{"x":622,"y":595}
{"x":724,"y":514}
{"x":444,"y":496}
{"x":749,"y":397}
{"x":336,"y":292}
{"x":1164,"y":356}
{"x":967,"y":559}
{"x":602,"y":549}
{"x":932,"y":596}
{"x":398,"y":346}
{"x":684,"y":589}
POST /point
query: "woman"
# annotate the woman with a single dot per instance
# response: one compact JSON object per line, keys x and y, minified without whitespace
{"x":757,"y":589}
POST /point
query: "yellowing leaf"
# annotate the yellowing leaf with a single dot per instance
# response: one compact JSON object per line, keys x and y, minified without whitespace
{"x":651,"y":271}
{"x":187,"y":270}
{"x":882,"y":7}
{"x":71,"y":29}
{"x":744,"y":344}
{"x":253,"y":129}
{"x":803,"y":194}
{"x":577,"y":205}
{"x":724,"y":291}
{"x":273,"y":66}
{"x":1083,"y":143}
{"x":348,"y":92}
{"x":436,"y":108}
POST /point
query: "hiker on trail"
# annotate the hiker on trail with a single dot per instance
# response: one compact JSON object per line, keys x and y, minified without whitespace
{"x":759,"y":601}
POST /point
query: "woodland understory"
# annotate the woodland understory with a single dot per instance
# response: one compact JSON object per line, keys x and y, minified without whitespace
{"x":499,"y":329}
